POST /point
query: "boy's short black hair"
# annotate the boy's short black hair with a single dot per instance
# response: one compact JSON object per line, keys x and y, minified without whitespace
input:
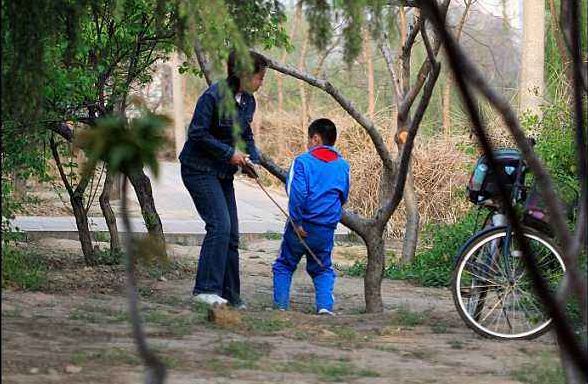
{"x":325,"y":128}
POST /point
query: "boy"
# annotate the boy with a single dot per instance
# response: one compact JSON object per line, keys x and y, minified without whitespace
{"x":317,"y":187}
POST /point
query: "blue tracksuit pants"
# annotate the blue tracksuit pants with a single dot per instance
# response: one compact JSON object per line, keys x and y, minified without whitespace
{"x":320,"y":240}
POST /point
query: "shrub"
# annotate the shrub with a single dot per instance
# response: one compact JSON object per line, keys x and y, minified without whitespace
{"x":22,"y":269}
{"x":556,"y":147}
{"x":433,"y":263}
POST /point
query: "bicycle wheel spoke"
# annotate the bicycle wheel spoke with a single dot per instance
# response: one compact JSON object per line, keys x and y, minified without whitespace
{"x":507,"y":320}
{"x":514,"y":312}
{"x":497,"y":261}
{"x":492,"y":309}
{"x":500,"y":314}
{"x":480,"y":268}
{"x":527,"y":316}
{"x":483,"y":278}
{"x":490,"y":255}
{"x":485,"y":286}
{"x":532,"y":300}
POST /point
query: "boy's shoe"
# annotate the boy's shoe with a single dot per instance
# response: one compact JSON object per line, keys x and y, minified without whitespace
{"x":211,"y":299}
{"x":324,"y":311}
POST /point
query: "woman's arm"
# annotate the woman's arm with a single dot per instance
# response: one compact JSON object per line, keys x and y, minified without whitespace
{"x":199,"y":130}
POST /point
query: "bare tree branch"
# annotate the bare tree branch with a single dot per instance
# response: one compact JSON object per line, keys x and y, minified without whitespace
{"x":430,"y":52}
{"x":57,"y":159}
{"x":346,"y":104}
{"x":63,"y":130}
{"x":384,"y":213}
{"x":579,"y":116}
{"x":385,"y":49}
{"x":424,"y":70}
{"x":413,"y":31}
{"x":273,"y":168}
{"x":202,"y":61}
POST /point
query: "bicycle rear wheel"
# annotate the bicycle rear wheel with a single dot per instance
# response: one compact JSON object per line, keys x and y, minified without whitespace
{"x":494,"y":294}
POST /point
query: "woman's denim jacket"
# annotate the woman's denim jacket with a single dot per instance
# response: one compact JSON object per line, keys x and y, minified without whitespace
{"x":211,"y":138}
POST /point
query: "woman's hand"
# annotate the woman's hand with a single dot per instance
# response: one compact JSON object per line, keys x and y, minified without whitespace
{"x":239,"y":159}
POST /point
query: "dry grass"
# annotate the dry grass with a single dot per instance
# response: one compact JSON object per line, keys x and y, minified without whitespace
{"x":441,"y":169}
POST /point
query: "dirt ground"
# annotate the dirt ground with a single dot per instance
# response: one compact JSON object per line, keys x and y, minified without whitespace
{"x":76,"y":330}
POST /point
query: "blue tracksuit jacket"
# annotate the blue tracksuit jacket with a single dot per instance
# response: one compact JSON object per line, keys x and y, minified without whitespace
{"x":317,"y":186}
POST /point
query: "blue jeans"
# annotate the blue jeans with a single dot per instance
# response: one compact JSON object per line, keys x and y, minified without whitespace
{"x":218,"y":267}
{"x":320,"y":240}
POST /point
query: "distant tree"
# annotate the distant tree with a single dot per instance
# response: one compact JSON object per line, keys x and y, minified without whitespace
{"x":532,"y":81}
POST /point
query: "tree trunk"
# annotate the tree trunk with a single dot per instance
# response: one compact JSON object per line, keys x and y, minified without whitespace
{"x":367,"y":55}
{"x":280,"y":85}
{"x":561,"y":46}
{"x":411,"y":231}
{"x":142,"y":186}
{"x":302,"y":86}
{"x":446,"y":103}
{"x":76,"y":198}
{"x":177,"y":104}
{"x":109,"y":213}
{"x":20,"y":185}
{"x":279,"y":76}
{"x":533,"y":57}
{"x":81,"y":216}
{"x":374,"y":272}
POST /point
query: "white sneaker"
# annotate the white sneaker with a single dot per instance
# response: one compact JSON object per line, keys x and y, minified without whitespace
{"x":324,"y":311}
{"x":210,"y":299}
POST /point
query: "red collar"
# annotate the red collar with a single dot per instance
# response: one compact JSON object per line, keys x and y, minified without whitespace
{"x":325,"y":154}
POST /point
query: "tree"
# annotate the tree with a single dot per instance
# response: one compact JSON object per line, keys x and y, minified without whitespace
{"x":127,"y":147}
{"x":448,"y":82}
{"x":532,"y":83}
{"x":85,"y":67}
{"x":395,"y":170}
{"x":83,"y":70}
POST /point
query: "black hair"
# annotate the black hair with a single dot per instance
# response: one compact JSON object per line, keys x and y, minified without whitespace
{"x":234,"y":73}
{"x":325,"y":128}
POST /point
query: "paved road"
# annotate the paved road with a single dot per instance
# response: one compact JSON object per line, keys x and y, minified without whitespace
{"x":257,"y":214}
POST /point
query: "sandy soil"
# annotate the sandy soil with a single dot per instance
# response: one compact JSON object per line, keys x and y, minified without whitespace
{"x":76,"y":330}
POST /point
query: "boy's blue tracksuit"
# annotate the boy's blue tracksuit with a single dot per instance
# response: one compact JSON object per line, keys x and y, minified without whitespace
{"x":317,"y":186}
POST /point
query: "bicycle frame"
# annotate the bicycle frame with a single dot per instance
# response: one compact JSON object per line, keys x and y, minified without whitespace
{"x":498,"y":218}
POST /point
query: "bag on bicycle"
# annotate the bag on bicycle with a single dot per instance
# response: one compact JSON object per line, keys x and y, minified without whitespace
{"x":535,"y":214}
{"x":483,"y":184}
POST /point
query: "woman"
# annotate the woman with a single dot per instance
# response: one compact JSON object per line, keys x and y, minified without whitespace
{"x":209,"y":160}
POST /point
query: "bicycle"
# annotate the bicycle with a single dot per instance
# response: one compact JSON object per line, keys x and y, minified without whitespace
{"x":491,"y":288}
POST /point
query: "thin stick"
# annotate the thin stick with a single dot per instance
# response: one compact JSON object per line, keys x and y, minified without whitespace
{"x":291,"y":223}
